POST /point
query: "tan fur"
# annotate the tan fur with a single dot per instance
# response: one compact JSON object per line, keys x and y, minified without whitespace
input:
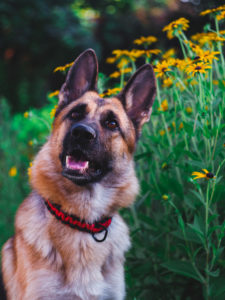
{"x":48,"y":260}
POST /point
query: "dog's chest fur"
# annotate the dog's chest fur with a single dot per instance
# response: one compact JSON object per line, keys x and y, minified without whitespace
{"x":73,"y":264}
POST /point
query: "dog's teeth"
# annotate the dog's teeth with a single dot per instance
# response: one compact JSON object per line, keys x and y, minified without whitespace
{"x":67,"y":161}
{"x":72,"y":164}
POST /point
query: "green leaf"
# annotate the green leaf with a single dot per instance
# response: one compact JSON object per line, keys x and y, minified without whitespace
{"x":217,"y":288}
{"x":183,"y":268}
{"x":198,"y":196}
{"x":196,"y":163}
{"x":190,"y":235}
{"x":212,"y":217}
{"x":212,"y":229}
{"x":215,"y":273}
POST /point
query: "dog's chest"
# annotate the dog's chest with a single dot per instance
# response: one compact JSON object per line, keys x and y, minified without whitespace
{"x":86,"y":263}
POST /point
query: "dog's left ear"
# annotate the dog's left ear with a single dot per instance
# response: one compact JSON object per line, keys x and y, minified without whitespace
{"x":138,"y":96}
{"x":82,"y":77}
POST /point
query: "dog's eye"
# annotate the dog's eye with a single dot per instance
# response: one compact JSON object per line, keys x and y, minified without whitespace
{"x":111,"y":124}
{"x":75,"y":115}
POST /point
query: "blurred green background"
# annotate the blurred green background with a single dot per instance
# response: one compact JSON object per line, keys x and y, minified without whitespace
{"x":37,"y":36}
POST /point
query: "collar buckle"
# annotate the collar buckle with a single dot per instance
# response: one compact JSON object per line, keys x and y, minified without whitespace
{"x":105,"y":230}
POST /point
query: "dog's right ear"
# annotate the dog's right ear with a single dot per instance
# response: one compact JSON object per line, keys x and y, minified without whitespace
{"x":82,"y":77}
{"x":138,"y":96}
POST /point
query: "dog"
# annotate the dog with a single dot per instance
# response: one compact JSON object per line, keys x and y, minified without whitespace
{"x":69,"y":240}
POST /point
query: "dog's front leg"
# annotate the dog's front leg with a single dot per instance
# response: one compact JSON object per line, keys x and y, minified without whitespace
{"x":113,"y":272}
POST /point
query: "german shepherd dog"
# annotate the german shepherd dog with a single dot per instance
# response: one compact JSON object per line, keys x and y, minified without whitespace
{"x":69,"y":240}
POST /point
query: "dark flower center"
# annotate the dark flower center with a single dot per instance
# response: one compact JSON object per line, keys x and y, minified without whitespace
{"x":210,"y":175}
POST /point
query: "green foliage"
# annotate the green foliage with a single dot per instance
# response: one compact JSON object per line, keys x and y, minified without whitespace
{"x":178,"y":221}
{"x":20,"y":138}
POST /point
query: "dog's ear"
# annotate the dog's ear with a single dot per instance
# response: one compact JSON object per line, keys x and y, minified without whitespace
{"x":138,"y":96}
{"x":82,"y":77}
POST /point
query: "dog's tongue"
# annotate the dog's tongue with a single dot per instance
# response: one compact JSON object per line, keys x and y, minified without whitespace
{"x":73,"y":164}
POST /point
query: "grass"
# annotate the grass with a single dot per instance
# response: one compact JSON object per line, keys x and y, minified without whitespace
{"x":177,"y":223}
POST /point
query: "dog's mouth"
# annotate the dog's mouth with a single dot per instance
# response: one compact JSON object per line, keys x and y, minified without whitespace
{"x":80,"y":168}
{"x":76,"y":165}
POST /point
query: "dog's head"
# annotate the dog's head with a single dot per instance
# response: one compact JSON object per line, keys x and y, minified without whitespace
{"x":96,"y":136}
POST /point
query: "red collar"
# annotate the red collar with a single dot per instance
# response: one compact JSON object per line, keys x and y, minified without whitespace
{"x":75,"y":222}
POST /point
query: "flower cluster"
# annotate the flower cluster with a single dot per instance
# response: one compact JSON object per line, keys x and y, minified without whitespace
{"x":111,"y":92}
{"x":148,"y":40}
{"x":213,"y":10}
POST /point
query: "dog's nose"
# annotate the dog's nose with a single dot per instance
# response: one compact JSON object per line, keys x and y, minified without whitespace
{"x":83,"y":132}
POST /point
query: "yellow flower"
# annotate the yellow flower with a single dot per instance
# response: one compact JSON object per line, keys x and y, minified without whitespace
{"x":151,"y":51}
{"x":13,"y":172}
{"x":193,"y":82}
{"x":207,"y":38}
{"x":163,"y":106}
{"x":216,"y":82}
{"x":180,"y":64}
{"x":115,"y":74}
{"x":53,"y":111}
{"x":161,"y":68}
{"x":198,"y":68}
{"x":206,"y":174}
{"x":206,"y":12}
{"x":173,"y":124}
{"x":29,"y":170}
{"x":55,"y":93}
{"x":110,"y":60}
{"x":221,"y":16}
{"x":26,"y":114}
{"x":188,"y":109}
{"x":206,"y":107}
{"x":135,"y":53}
{"x":194,"y":47}
{"x":181,"y":126}
{"x":145,"y":40}
{"x":118,"y":73}
{"x":126,"y":70}
{"x":119,"y":53}
{"x":165,"y":197}
{"x":174,"y":28}
{"x":209,"y":11}
{"x":110,"y":92}
{"x":170,"y":53}
{"x":30,"y":143}
{"x":122,"y":63}
{"x":162,"y":132}
{"x":63,"y":68}
{"x":164,"y":165}
{"x":208,"y":56}
{"x":167,"y":82}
